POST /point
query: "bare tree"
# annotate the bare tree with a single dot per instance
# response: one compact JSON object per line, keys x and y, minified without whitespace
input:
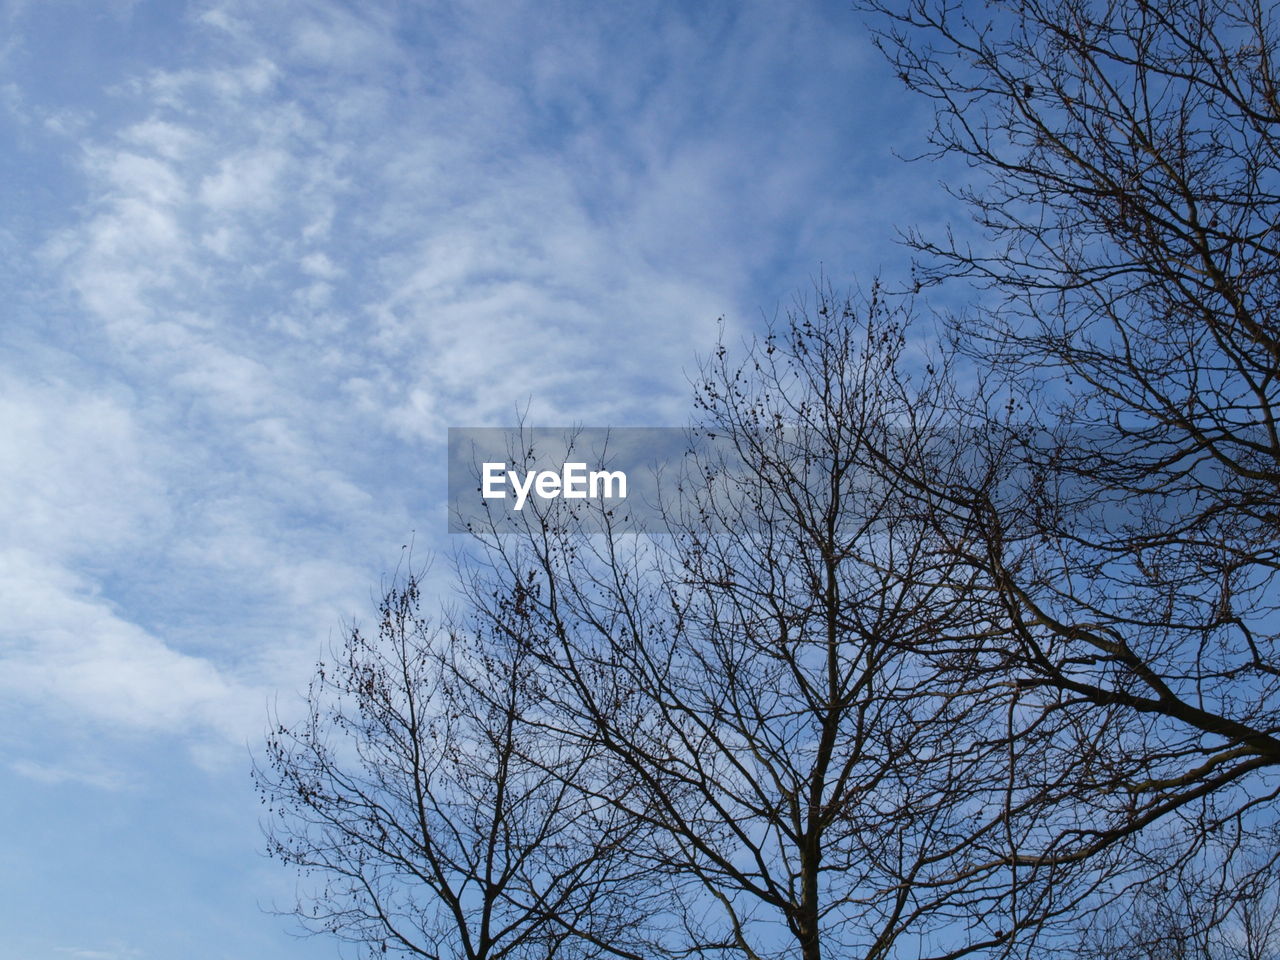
{"x":806,"y":783}
{"x":1126,"y":194}
{"x":430,"y":820}
{"x":910,"y":675}
{"x":1187,"y":916}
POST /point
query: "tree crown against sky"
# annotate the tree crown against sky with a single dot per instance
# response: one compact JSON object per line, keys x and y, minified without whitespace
{"x":1126,"y":198}
{"x":738,"y":699}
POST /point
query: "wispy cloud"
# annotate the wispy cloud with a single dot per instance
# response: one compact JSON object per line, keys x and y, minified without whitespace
{"x":307,"y":252}
{"x":88,"y":775}
{"x":265,"y":254}
{"x":111,"y":953}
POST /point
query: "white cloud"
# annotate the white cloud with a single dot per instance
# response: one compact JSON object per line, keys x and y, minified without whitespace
{"x":319,"y":265}
{"x":69,"y":652}
{"x":110,"y":953}
{"x":169,"y":140}
{"x":247,"y":180}
{"x":171,"y":88}
{"x":91,"y":774}
{"x":78,"y":473}
{"x":334,"y":38}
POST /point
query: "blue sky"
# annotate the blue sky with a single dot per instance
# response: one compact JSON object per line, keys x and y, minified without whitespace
{"x":256,"y":259}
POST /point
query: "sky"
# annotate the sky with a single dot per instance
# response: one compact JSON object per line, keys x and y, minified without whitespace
{"x":256,"y":259}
